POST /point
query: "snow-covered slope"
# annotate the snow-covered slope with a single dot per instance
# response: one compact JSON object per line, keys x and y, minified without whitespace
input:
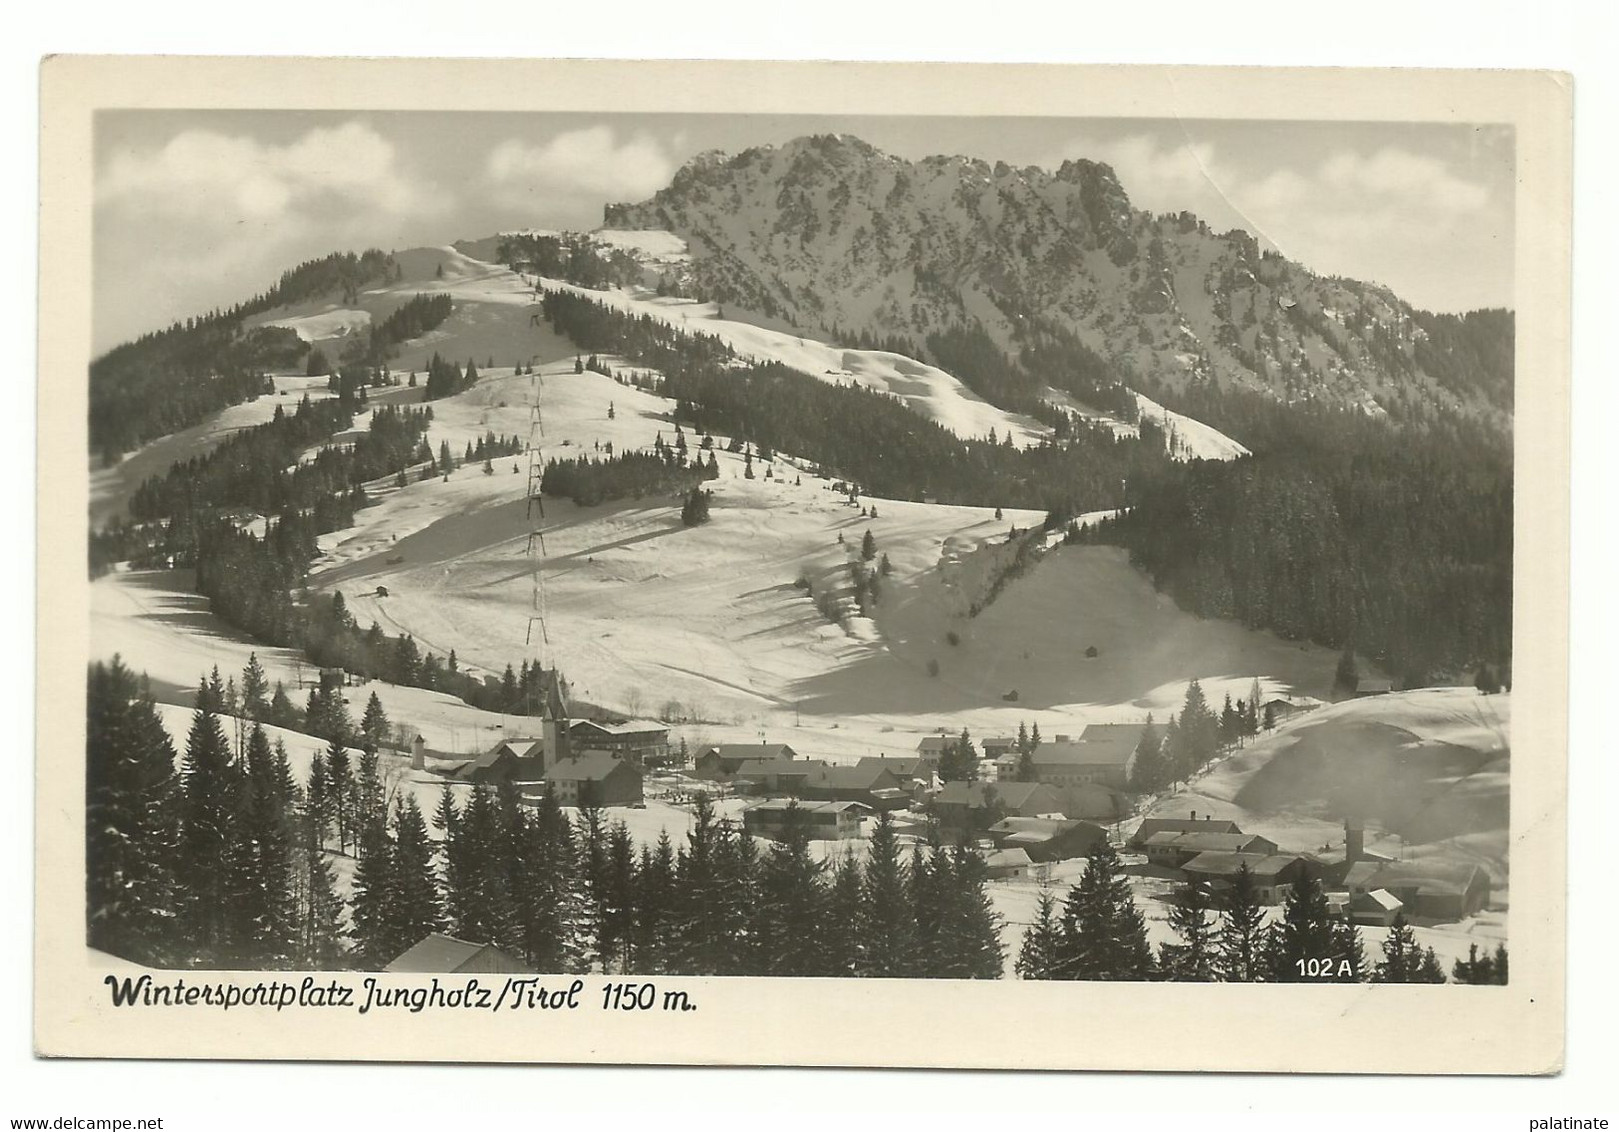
{"x":927,"y":390}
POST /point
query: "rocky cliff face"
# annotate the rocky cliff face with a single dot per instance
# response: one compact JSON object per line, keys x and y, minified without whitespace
{"x":837,"y":236}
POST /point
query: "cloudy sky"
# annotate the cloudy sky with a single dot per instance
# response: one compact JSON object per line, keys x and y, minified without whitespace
{"x":202,"y":208}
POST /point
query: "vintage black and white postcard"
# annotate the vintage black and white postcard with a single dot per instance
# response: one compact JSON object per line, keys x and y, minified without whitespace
{"x":761,"y":563}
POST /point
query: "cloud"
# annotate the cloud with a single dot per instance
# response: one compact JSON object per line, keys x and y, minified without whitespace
{"x":589,"y":161}
{"x":1398,"y":174}
{"x":220,"y":180}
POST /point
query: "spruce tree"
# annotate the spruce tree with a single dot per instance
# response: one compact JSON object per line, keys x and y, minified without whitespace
{"x":340,"y":793}
{"x":1042,"y":940}
{"x":1401,"y":955}
{"x":1103,"y":933}
{"x":793,"y":902}
{"x":971,"y":929}
{"x":1306,"y":936}
{"x":208,"y":807}
{"x":373,"y":724}
{"x":842,"y":933}
{"x":1242,"y":936}
{"x":1194,"y":959}
{"x":131,"y":802}
{"x":372,"y":902}
{"x":255,"y":689}
{"x":414,"y":904}
{"x":887,"y":920}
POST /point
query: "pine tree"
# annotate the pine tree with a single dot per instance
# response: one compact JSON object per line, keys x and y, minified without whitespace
{"x":1103,"y":933}
{"x":868,"y":546}
{"x":1242,"y":936}
{"x":1194,"y":959}
{"x":131,"y":798}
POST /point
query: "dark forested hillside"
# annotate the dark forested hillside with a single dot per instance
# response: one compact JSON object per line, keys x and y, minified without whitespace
{"x":171,"y":379}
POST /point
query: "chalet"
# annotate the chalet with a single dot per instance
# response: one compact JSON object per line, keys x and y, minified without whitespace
{"x":1274,"y":874}
{"x":998,"y":746}
{"x":776,"y":775}
{"x":1008,"y":864}
{"x":965,"y":805}
{"x":934,"y":746}
{"x":1048,"y":839}
{"x":1372,"y":686}
{"x":440,"y":954}
{"x":907,"y":769}
{"x":873,"y":786}
{"x":1173,"y":849}
{"x":721,"y":762}
{"x":1430,"y":890}
{"x":643,"y":742}
{"x":1193,"y":824}
{"x":594,"y":778}
{"x":821,"y":821}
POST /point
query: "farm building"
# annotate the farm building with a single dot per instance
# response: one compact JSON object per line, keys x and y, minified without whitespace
{"x":1048,"y":839}
{"x":1436,"y":891}
{"x":1375,"y":909}
{"x":776,"y":775}
{"x":1279,"y":710}
{"x":1105,"y":760}
{"x":595,"y":778}
{"x":1274,"y":874}
{"x":822,"y":821}
{"x":1192,"y":824}
{"x":1093,"y":802}
{"x":1008,"y":864}
{"x":963,"y":805}
{"x":440,"y":954}
{"x":907,"y":769}
{"x":1373,"y":686}
{"x":1172,"y":849}
{"x":872,"y":786}
{"x":722,"y":761}
{"x":510,"y":761}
